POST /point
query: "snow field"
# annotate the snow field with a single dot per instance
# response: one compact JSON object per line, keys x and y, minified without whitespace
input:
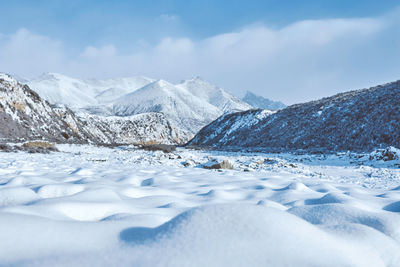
{"x":123,"y":207}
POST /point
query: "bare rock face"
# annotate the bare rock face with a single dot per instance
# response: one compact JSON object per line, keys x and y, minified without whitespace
{"x":25,"y":116}
{"x":361,"y":120}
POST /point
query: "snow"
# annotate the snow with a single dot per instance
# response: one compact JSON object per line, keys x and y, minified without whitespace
{"x":78,"y":93}
{"x":122,"y":206}
{"x":184,"y":109}
{"x":214,"y":95}
{"x":8,"y":78}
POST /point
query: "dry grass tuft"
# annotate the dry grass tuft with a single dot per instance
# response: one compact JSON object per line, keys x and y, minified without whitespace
{"x":20,"y":106}
{"x":38,"y":144}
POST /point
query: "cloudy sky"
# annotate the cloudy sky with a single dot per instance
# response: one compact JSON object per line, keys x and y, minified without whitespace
{"x":293,"y":51}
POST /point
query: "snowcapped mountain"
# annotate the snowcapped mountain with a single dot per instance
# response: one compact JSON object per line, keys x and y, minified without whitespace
{"x":257,"y":101}
{"x":178,"y":104}
{"x":189,"y":105}
{"x":214,"y":95}
{"x":24,"y":115}
{"x":360,"y":120}
{"x":78,"y":93}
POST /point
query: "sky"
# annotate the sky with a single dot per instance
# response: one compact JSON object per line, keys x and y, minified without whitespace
{"x":292,"y":51}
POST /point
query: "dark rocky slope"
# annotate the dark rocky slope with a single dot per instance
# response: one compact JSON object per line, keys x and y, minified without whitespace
{"x":359,"y":120}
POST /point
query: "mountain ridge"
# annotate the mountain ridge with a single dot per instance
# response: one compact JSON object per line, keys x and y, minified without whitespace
{"x":360,"y":120}
{"x":188,"y":105}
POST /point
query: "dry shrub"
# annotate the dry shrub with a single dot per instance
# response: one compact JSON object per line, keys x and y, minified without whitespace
{"x":38,"y":144}
{"x":150,"y":142}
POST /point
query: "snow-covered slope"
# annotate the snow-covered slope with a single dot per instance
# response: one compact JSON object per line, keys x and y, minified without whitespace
{"x":25,"y":116}
{"x":145,"y":128}
{"x":257,"y":101}
{"x":184,"y":109}
{"x":78,"y":93}
{"x":60,"y":89}
{"x":357,"y":121}
{"x":214,"y":95}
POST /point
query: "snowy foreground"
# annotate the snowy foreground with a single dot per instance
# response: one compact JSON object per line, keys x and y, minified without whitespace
{"x":90,"y":206}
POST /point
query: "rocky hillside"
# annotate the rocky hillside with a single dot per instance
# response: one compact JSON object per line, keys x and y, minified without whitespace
{"x":24,"y":115}
{"x":359,"y":120}
{"x":145,"y":128}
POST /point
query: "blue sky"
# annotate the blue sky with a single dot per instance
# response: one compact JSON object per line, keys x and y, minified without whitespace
{"x":100,"y":22}
{"x":287,"y":50}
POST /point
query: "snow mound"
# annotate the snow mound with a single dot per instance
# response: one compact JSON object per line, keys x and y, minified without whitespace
{"x":123,"y":206}
{"x":220,"y":235}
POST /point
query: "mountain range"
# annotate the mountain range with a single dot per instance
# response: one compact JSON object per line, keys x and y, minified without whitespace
{"x":24,"y":115}
{"x":188,"y":106}
{"x":142,"y":110}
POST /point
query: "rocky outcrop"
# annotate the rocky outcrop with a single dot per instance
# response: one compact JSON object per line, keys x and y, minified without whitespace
{"x":25,"y":116}
{"x":361,"y":120}
{"x":145,"y":129}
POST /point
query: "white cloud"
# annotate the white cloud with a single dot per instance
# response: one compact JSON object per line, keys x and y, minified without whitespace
{"x":304,"y":60}
{"x":24,"y":52}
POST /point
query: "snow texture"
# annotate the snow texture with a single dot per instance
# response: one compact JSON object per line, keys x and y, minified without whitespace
{"x":93,"y":206}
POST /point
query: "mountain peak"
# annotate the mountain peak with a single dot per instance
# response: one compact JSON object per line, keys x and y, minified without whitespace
{"x":262,"y":102}
{"x":8,"y":78}
{"x":198,"y":78}
{"x":162,"y":83}
{"x":53,"y":77}
{"x":49,"y":75}
{"x":249,"y":94}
